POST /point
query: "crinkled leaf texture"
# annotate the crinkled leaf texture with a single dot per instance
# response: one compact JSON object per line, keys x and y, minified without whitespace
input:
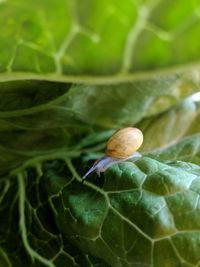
{"x":146,"y":214}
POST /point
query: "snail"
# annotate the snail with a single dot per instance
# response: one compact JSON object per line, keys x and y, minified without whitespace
{"x":121,"y":146}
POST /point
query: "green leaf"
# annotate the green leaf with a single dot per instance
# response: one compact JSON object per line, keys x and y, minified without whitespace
{"x":71,"y":73}
{"x":52,"y":120}
{"x":170,"y":126}
{"x":187,"y":149}
{"x":68,"y":38}
{"x":144,"y":209}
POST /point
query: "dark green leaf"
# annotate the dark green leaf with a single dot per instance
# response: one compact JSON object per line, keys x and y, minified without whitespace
{"x":146,"y":204}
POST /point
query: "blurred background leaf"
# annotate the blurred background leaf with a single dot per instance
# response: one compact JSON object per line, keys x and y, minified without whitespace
{"x":96,"y":38}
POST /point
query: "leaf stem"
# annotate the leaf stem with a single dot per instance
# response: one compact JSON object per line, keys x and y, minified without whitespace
{"x":22,"y":223}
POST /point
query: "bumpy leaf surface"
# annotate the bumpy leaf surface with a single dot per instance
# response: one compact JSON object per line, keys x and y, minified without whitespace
{"x":146,"y":214}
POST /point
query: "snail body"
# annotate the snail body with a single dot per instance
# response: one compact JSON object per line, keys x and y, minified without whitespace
{"x":121,"y":146}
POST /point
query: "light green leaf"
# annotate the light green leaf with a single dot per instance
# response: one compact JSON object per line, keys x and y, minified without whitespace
{"x":68,"y":38}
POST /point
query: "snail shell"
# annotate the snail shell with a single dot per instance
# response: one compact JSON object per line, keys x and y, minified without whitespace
{"x":124,"y":143}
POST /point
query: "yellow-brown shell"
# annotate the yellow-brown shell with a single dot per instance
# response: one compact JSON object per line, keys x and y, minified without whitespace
{"x":124,"y":143}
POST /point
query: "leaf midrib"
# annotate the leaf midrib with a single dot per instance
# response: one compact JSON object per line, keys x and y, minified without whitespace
{"x":102,"y":79}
